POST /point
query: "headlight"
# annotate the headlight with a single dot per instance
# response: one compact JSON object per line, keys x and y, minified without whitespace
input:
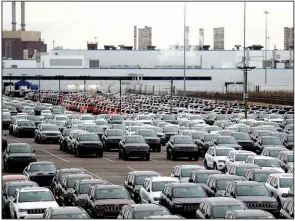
{"x":178,"y":205}
{"x":284,"y":195}
{"x":99,"y":207}
{"x":22,"y":210}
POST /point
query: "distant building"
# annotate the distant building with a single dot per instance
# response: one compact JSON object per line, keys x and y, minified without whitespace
{"x":144,"y":38}
{"x":288,"y":38}
{"x":134,"y":37}
{"x":218,"y":38}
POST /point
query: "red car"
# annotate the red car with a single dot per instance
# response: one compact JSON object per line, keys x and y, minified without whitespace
{"x":9,"y":178}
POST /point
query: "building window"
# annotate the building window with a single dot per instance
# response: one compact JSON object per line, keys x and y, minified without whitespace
{"x":93,"y":63}
{"x":8,"y":49}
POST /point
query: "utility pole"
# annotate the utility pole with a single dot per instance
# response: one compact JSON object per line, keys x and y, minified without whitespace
{"x":39,"y":77}
{"x":120,"y":96}
{"x":265,"y":50}
{"x":171,"y":94}
{"x":10,"y":77}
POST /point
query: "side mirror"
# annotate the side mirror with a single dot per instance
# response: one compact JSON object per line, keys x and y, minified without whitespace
{"x":13,"y":200}
{"x":190,"y":180}
{"x":232,"y":194}
{"x":92,"y":198}
{"x":206,"y":216}
{"x":34,"y":151}
{"x":5,"y":135}
{"x":148,"y":189}
{"x":231,"y":160}
{"x":213,"y":188}
{"x":129,"y":184}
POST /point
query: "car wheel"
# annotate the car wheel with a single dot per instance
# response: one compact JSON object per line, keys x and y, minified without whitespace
{"x":147,"y":157}
{"x":77,"y":153}
{"x":197,"y":158}
{"x":190,"y":158}
{"x":100,"y":155}
{"x":168,"y":155}
{"x":159,"y":149}
{"x":125,"y":157}
{"x":173,"y":156}
{"x":120,"y":155}
{"x":205,"y":164}
{"x":8,"y":169}
{"x":215,"y":166}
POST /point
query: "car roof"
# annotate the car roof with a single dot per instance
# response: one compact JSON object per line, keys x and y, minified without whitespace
{"x":109,"y":187}
{"x":18,"y":144}
{"x":243,"y":152}
{"x":22,"y":182}
{"x":261,"y":170}
{"x":276,"y":148}
{"x":78,"y":175}
{"x":91,"y":181}
{"x":145,"y":207}
{"x":283,"y":175}
{"x":241,"y":164}
{"x":216,"y":201}
{"x":248,"y":183}
{"x":70,"y":169}
{"x":225,"y":176}
{"x":288,"y":152}
{"x":208,"y":172}
{"x":42,"y":162}
{"x":164,"y":217}
{"x":144,"y":172}
{"x":189,"y":166}
{"x":223,"y":147}
{"x":163,"y":178}
{"x":184,"y":185}
{"x":253,"y":213}
{"x":14,"y":177}
{"x":67,"y":210}
{"x":31,"y":189}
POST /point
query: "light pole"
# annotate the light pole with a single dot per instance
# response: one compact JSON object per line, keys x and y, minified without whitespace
{"x":265,"y":50}
{"x":184,"y":49}
{"x":10,"y":76}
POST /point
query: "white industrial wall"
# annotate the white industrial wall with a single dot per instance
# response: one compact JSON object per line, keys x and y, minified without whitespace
{"x":277,"y":79}
{"x":45,"y":61}
{"x":20,"y":63}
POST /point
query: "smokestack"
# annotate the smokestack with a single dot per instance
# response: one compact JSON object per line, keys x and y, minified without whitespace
{"x":201,"y":38}
{"x":13,"y":21}
{"x":23,"y":24}
{"x":135,"y":38}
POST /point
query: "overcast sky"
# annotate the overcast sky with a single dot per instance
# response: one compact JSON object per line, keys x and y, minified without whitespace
{"x":72,"y":24}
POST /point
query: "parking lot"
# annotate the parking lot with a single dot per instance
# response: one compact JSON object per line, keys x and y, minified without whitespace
{"x":109,"y":167}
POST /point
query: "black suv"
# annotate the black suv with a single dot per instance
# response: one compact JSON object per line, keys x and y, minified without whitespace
{"x":216,"y":183}
{"x":200,"y":176}
{"x":255,"y":195}
{"x":112,"y":138}
{"x":182,"y":146}
{"x":244,"y":140}
{"x":182,"y":198}
{"x":88,"y":143}
{"x":133,"y":146}
{"x":18,"y":155}
{"x":151,"y":138}
{"x":140,"y":211}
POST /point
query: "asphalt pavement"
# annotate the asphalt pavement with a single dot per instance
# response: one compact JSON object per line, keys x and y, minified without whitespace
{"x":109,"y":167}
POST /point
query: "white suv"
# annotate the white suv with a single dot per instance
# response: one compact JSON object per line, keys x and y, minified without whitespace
{"x":31,"y":202}
{"x":265,"y":162}
{"x":215,"y":157}
{"x":278,"y":185}
{"x":151,"y":188}
{"x":237,"y":156}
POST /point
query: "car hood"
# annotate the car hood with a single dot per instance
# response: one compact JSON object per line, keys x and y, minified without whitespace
{"x":114,"y":201}
{"x":21,"y":155}
{"x":87,"y":121}
{"x":187,"y":200}
{"x":114,"y":137}
{"x":51,"y":132}
{"x":137,"y":145}
{"x":184,"y":179}
{"x":256,"y":198}
{"x":245,"y":141}
{"x":220,"y":158}
{"x":38,"y":205}
{"x":186,"y":145}
{"x":274,"y":146}
{"x":155,"y":194}
{"x":89,"y":142}
{"x":82,"y":196}
{"x":42,"y":173}
{"x":152,"y":138}
{"x":232,"y":145}
{"x":279,"y":169}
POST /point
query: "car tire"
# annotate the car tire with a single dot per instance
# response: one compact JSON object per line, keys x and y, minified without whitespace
{"x":125,"y":157}
{"x":147,"y":157}
{"x":205,"y":164}
{"x":168,"y":155}
{"x":100,"y":155}
{"x":120,"y":155}
{"x":173,"y":156}
{"x":159,"y":149}
{"x":196,"y":158}
{"x":77,"y":153}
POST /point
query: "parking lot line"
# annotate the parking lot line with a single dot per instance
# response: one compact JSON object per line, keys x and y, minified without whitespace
{"x":108,"y":159}
{"x":93,"y":174}
{"x":55,"y":155}
{"x":131,"y":168}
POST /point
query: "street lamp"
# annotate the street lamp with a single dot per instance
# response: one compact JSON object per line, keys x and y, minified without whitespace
{"x":10,"y":76}
{"x":265,"y":50}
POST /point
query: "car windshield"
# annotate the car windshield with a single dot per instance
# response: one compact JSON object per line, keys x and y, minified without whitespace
{"x":170,"y":129}
{"x":59,"y":123}
{"x":157,"y":129}
{"x":274,"y":153}
{"x":276,"y":116}
{"x":202,"y":177}
{"x":262,"y":177}
{"x":117,"y":117}
{"x":135,"y":139}
{"x":94,"y":129}
{"x":88,"y":137}
{"x":221,"y":184}
{"x":222,"y":117}
{"x":20,"y":149}
{"x":84,"y":188}
{"x":222,"y":152}
{"x":26,"y":123}
{"x":271,"y":141}
{"x":46,"y":111}
{"x":220,"y":211}
{"x":290,"y":138}
{"x":286,"y":182}
{"x":71,"y":181}
{"x":101,"y":122}
{"x":140,"y":179}
{"x":226,"y":140}
{"x":12,"y":189}
{"x":34,"y":118}
{"x":197,"y":135}
{"x":50,"y":128}
{"x":186,"y":172}
{"x":159,"y":185}
{"x":242,"y":157}
{"x":88,"y":118}
{"x":70,"y":216}
{"x":266,"y":163}
{"x":143,"y":214}
{"x":111,"y":194}
{"x":169,"y":117}
{"x":147,"y":133}
{"x":115,"y":132}
{"x":43,"y":167}
{"x":35,"y":196}
{"x":241,"y":136}
{"x":290,"y":158}
{"x":145,"y":117}
{"x":63,"y":118}
{"x":189,"y":192}
{"x":208,"y":138}
{"x":183,"y":140}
